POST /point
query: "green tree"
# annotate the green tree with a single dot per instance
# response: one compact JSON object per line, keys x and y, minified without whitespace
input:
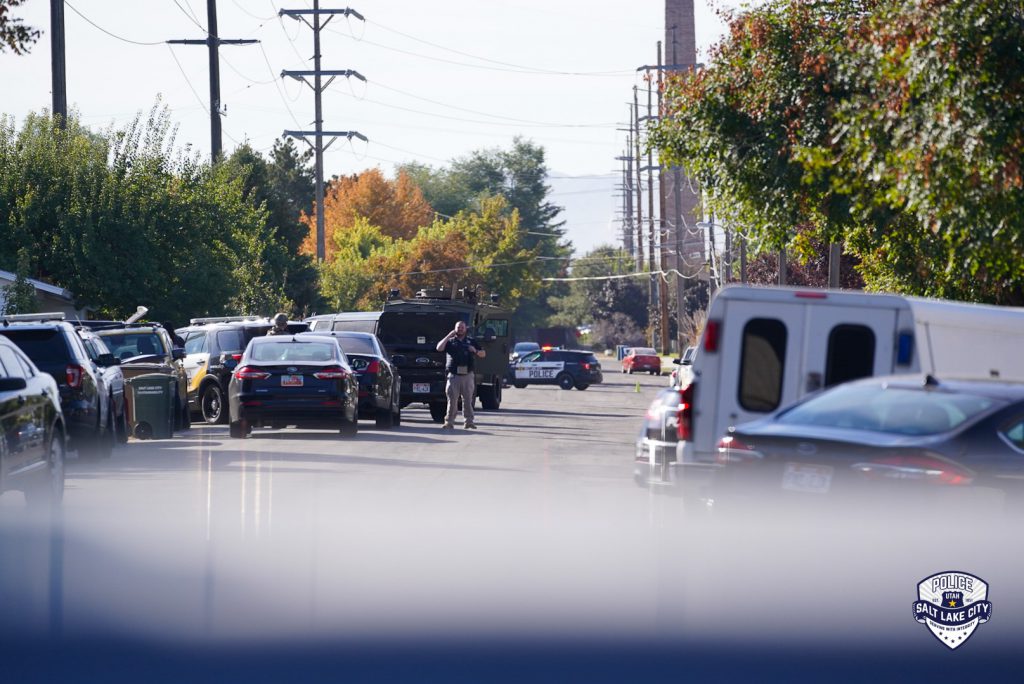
{"x":893,"y":127}
{"x":283,"y":185}
{"x":20,"y":296}
{"x":589,"y":301}
{"x":14,"y":34}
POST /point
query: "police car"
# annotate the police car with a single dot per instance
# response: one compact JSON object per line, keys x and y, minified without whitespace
{"x":562,"y":367}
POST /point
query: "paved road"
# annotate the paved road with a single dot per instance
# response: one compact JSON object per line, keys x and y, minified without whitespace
{"x":530,"y":528}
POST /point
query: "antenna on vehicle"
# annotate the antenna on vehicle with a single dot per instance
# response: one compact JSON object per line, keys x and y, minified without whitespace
{"x":931,"y":381}
{"x":139,"y":313}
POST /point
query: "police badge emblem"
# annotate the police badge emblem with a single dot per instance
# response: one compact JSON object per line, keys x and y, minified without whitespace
{"x":952,"y":604}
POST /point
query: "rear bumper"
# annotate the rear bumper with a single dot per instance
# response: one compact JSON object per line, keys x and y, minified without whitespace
{"x":307,"y":416}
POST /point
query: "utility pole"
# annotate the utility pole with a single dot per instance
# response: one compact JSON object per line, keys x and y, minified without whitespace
{"x":743,"y":258}
{"x":835,"y":253}
{"x":652,"y":287}
{"x":663,"y":288}
{"x":58,"y":72}
{"x":213,"y":43}
{"x":782,"y":266}
{"x":318,"y":88}
{"x":639,"y":185}
{"x":627,"y":194}
{"x":713,"y":270}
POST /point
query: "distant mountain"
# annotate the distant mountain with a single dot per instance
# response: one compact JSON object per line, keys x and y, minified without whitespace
{"x":591,"y":208}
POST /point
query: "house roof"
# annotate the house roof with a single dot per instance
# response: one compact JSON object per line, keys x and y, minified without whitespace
{"x":40,"y":285}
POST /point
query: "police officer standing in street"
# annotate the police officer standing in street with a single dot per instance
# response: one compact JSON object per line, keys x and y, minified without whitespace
{"x":280,"y":325}
{"x":461,"y":350}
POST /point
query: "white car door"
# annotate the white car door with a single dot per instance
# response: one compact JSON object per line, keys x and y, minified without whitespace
{"x":538,"y":367}
{"x":197,"y":358}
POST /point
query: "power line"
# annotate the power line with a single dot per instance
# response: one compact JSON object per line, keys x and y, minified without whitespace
{"x":185,"y":76}
{"x":112,"y":35}
{"x":191,"y":15}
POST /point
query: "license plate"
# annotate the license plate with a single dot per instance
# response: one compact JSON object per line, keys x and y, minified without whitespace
{"x":291,"y":381}
{"x":421,"y":388}
{"x":800,"y":477}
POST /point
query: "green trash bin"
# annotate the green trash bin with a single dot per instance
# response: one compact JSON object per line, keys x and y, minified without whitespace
{"x":152,"y":401}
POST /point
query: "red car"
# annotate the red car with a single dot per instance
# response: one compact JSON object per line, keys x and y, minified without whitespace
{"x":641,"y":359}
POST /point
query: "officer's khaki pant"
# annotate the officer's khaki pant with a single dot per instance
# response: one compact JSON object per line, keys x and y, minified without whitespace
{"x":459,"y":386}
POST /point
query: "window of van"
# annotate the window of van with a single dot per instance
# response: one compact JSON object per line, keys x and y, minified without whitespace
{"x":498,"y":326}
{"x":851,"y":354}
{"x":369,"y":326}
{"x":762,"y":362}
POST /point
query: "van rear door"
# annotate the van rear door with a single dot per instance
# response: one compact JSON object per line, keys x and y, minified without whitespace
{"x":844,"y":343}
{"x":759,"y":359}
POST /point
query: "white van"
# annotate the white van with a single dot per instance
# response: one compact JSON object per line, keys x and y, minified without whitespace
{"x":765,"y":347}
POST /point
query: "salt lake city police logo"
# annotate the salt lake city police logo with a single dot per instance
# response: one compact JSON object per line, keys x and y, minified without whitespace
{"x":952,"y":604}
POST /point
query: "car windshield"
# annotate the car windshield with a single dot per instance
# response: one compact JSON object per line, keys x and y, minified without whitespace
{"x":125,"y":345}
{"x":293,"y":351}
{"x":644,"y":351}
{"x":523,"y":347}
{"x":42,"y":346}
{"x":356,"y":345}
{"x":416,"y":329}
{"x":893,"y":410}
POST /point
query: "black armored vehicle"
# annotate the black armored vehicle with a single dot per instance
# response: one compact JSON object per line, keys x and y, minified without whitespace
{"x":410,"y":329}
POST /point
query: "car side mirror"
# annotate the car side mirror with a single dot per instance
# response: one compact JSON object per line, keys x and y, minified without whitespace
{"x":178,"y":353}
{"x":13,"y":384}
{"x":398,"y":360}
{"x":678,"y":362}
{"x":107,"y":360}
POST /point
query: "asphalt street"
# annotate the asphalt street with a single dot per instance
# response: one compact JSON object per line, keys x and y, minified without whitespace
{"x":530,"y":528}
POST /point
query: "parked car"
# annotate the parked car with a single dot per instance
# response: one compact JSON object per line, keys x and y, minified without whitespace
{"x":111,"y":378}
{"x":213,"y":348}
{"x":656,"y":443}
{"x":56,"y":348}
{"x":379,"y":381}
{"x":902,"y":439}
{"x":521,"y":349}
{"x":562,"y":367}
{"x":683,"y":373}
{"x":32,"y":429}
{"x":641,"y":359}
{"x":303,"y":381}
{"x":147,"y":348}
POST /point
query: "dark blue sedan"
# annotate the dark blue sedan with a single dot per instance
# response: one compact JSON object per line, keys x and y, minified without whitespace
{"x":916,"y":441}
{"x":284,"y":381}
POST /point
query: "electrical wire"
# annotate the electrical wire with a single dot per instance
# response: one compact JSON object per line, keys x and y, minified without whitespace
{"x":191,"y":16}
{"x":185,"y":75}
{"x":112,"y":35}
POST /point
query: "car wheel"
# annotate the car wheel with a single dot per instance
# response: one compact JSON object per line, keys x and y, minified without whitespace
{"x":438,"y":411}
{"x":490,"y":396}
{"x":49,"y":490}
{"x":564,"y":381}
{"x":349,"y":428}
{"x":630,"y":371}
{"x":519,"y":385}
{"x":385,"y":419}
{"x":396,"y":420}
{"x":582,"y":386}
{"x":238,"y":429}
{"x":101,"y":444}
{"x":211,"y":404}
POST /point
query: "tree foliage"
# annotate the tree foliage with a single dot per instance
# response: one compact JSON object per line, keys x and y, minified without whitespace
{"x":396,"y":206}
{"x":14,"y":34}
{"x":892,"y":126}
{"x":122,"y":218}
{"x":20,"y":296}
{"x":589,"y":301}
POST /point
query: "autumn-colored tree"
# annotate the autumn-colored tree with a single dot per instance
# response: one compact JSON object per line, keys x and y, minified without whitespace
{"x":395,"y":206}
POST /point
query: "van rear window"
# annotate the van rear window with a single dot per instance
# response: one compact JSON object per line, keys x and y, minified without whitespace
{"x":367,"y":326}
{"x":762,"y":364}
{"x":851,"y":354}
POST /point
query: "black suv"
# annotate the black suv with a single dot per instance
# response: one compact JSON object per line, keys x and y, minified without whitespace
{"x":213,"y":348}
{"x":31,"y":429}
{"x":565,"y":368}
{"x":56,"y":348}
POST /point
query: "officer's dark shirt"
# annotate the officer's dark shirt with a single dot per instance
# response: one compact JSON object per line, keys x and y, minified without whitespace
{"x":460,"y":354}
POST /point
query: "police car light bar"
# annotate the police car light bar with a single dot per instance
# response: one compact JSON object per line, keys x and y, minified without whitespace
{"x":51,"y":316}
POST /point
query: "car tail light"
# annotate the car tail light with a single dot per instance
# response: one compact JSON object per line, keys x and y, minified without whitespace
{"x":586,"y":366}
{"x":331,"y":373}
{"x":711,"y":334}
{"x":731,"y":449}
{"x":684,"y":414}
{"x":73,"y":374}
{"x":250,"y":373}
{"x":926,"y":468}
{"x":373,"y":367}
{"x":236,"y":357}
{"x":252,"y":402}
